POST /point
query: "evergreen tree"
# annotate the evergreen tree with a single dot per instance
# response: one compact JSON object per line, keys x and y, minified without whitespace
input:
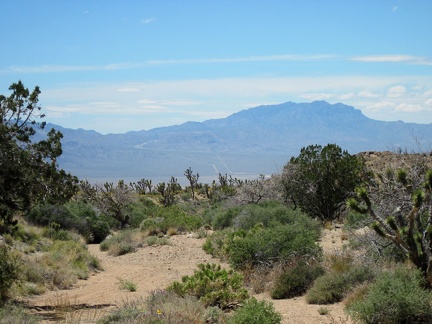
{"x":29,"y":172}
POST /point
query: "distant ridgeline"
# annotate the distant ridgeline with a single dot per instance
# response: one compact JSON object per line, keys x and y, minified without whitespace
{"x":254,"y":141}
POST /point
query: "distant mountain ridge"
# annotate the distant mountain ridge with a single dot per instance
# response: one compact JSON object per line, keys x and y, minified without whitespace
{"x":257,"y":140}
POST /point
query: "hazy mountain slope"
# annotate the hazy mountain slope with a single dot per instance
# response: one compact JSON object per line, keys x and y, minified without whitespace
{"x":252,"y":141}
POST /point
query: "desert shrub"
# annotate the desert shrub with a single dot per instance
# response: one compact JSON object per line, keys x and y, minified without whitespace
{"x":171,"y":217}
{"x":77,"y":216}
{"x":213,"y":286}
{"x":126,"y":284}
{"x":221,"y":218}
{"x":254,"y":311}
{"x":12,"y":314}
{"x":25,"y":234}
{"x":397,"y":296}
{"x":60,"y":266}
{"x":165,"y":307}
{"x":123,"y":242}
{"x":333,"y":286}
{"x":141,"y":209}
{"x":270,"y":212}
{"x":9,"y":270}
{"x":154,"y":240}
{"x":216,"y":243}
{"x":276,"y":243}
{"x":296,"y":280}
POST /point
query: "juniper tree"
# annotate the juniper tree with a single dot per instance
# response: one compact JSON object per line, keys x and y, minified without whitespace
{"x":320,"y":180}
{"x":29,"y":173}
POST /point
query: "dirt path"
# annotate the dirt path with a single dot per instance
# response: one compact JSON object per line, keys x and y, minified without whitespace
{"x":153,"y":268}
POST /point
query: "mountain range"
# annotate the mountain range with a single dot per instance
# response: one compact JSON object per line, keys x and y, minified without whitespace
{"x":254,"y":141}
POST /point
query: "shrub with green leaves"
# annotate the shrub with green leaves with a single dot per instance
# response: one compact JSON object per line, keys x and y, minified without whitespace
{"x":296,"y":280}
{"x":162,"y":306}
{"x":333,"y":286}
{"x":171,"y":217}
{"x":274,"y":244}
{"x":9,"y":270}
{"x":397,"y":296}
{"x":123,"y":242}
{"x":254,"y":311}
{"x":77,"y":216}
{"x":11,"y":314}
{"x":213,"y":286}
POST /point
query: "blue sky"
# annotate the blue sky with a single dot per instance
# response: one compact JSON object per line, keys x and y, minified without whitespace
{"x":116,"y":66}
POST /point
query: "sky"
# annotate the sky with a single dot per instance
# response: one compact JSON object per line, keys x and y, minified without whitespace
{"x":118,"y":66}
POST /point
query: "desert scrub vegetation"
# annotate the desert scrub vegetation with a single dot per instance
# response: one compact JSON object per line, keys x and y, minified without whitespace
{"x":172,"y":217}
{"x":344,"y":274}
{"x":12,"y":313}
{"x":123,"y":242}
{"x":397,"y":295}
{"x":126,"y":284}
{"x":32,"y":262}
{"x":264,"y":234}
{"x":213,"y":286}
{"x":162,"y":306}
{"x":254,"y":311}
{"x":59,"y":266}
{"x":295,"y":280}
{"x":78,"y":216}
{"x":9,"y":269}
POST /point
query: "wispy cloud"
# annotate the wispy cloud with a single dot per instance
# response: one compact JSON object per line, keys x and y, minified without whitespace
{"x":396,"y":91}
{"x":394,"y":58}
{"x":137,"y":65}
{"x":146,"y":21}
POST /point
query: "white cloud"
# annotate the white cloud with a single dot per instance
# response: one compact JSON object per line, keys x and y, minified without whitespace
{"x":379,"y":106}
{"x":317,"y":96}
{"x":346,"y":96}
{"x":396,"y":91}
{"x":428,"y":103}
{"x":166,"y":103}
{"x":393,"y":58}
{"x":137,"y":65}
{"x":367,"y":94}
{"x":408,"y":108}
{"x":428,"y":93}
{"x":147,"y":21}
{"x":128,"y":89}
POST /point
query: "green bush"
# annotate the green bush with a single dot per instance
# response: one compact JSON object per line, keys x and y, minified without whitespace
{"x":171,"y":217}
{"x":77,"y":216}
{"x":276,"y":243}
{"x":164,"y":307}
{"x":213,"y":286}
{"x":9,"y":270}
{"x":333,"y":286}
{"x":397,"y":296}
{"x":296,"y":280}
{"x":216,"y":244}
{"x":254,"y":311}
{"x":222,"y":218}
{"x":123,"y":242}
{"x":141,"y":209}
{"x":12,"y":314}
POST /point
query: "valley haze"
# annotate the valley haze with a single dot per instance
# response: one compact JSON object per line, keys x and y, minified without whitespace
{"x":254,"y":141}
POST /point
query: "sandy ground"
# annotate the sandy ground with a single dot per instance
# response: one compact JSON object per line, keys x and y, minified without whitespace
{"x":155,"y":267}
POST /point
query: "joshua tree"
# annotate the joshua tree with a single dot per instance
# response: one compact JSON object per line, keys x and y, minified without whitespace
{"x":193,"y":180}
{"x":401,"y":206}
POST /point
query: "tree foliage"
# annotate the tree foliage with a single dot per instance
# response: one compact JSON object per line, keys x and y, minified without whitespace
{"x":111,"y":200}
{"x":28,"y":168}
{"x":320,"y":180}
